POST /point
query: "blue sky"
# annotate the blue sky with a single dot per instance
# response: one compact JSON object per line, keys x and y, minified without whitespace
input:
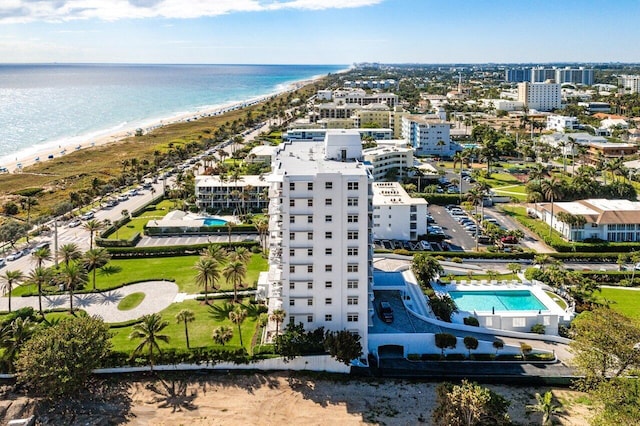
{"x":319,"y":31}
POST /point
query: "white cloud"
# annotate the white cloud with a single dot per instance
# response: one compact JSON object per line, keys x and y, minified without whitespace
{"x":21,"y":11}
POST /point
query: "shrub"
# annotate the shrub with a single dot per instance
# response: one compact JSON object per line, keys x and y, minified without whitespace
{"x":403,"y":252}
{"x":483,"y":357}
{"x":456,"y":260}
{"x":538,"y":328}
{"x":525,"y":348}
{"x":430,"y":357}
{"x":455,"y":357}
{"x":540,"y":357}
{"x":472,"y":321}
{"x":413,"y":357}
{"x":563,"y":331}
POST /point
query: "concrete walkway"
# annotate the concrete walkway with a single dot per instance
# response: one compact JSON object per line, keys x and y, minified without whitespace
{"x":158,"y":296}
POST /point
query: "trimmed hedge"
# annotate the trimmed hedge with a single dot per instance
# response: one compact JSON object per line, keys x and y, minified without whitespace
{"x":202,"y":230}
{"x":439,"y":199}
{"x":170,"y":251}
{"x":207,"y":356}
{"x":104,"y":242}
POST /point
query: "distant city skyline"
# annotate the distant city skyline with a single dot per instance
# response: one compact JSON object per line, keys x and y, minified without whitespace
{"x":318,"y":31}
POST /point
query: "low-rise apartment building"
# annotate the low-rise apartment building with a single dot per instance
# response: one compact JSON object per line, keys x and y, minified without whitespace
{"x":388,"y":156}
{"x":429,"y":135}
{"x":248,"y":193}
{"x":396,"y":215}
{"x":608,"y":220}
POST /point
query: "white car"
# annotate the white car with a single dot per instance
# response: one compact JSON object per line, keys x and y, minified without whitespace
{"x":14,"y":256}
{"x":74,"y":223}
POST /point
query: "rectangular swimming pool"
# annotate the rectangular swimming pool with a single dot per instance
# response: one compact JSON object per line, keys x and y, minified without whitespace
{"x":496,"y":300}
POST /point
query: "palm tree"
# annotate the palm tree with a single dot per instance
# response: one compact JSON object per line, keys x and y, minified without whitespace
{"x":552,"y":190}
{"x":237,"y":316}
{"x":222,"y":335}
{"x":40,"y":276}
{"x":230,"y":226}
{"x":215,"y":252}
{"x":234,"y":272}
{"x":278,"y":317}
{"x":541,"y":259}
{"x":149,"y":332}
{"x":186,"y":316}
{"x":72,"y":276}
{"x":94,"y":259}
{"x":39,"y":256}
{"x":263,"y":229}
{"x":241,"y":254}
{"x":208,"y":271}
{"x":545,"y":405}
{"x":13,"y":336}
{"x":10,"y":278}
{"x":92,"y":226}
{"x":69,"y":252}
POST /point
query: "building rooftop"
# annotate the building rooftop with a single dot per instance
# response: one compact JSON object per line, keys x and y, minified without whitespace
{"x":600,"y":210}
{"x":392,"y":193}
{"x":306,"y":158}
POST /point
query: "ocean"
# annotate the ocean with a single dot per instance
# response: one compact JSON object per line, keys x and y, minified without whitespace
{"x":44,"y":105}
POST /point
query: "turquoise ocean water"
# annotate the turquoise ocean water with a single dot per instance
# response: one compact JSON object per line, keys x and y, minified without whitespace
{"x":42,"y":106}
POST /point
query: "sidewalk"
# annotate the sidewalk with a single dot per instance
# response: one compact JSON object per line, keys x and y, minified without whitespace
{"x":158,"y":296}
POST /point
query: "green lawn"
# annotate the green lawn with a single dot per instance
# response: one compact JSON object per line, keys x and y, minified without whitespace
{"x":131,"y":301}
{"x":478,"y":277}
{"x":179,"y":268}
{"x":559,"y":301}
{"x":535,"y":225}
{"x":623,"y":300}
{"x":137,"y":223}
{"x":200,"y":331}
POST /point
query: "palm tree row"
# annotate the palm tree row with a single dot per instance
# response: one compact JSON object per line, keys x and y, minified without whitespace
{"x":209,"y":268}
{"x":72,"y":273}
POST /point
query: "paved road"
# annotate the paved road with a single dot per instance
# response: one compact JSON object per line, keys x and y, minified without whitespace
{"x":158,"y":296}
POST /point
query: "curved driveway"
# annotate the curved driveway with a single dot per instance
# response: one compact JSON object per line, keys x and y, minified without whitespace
{"x":158,"y":296}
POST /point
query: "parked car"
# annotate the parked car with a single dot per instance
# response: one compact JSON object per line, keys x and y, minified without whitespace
{"x":14,"y":256}
{"x":74,"y":223}
{"x":425,"y":245}
{"x":386,"y":312}
{"x":3,"y":262}
{"x":42,"y":244}
{"x":123,"y":197}
{"x":509,"y":239}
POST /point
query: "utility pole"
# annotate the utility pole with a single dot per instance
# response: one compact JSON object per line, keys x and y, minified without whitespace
{"x":55,"y":240}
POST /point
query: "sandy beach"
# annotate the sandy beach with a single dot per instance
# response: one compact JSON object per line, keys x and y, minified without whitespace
{"x":15,"y":163}
{"x":275,"y":399}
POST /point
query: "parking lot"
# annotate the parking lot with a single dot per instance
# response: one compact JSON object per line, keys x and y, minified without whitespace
{"x":459,"y":239}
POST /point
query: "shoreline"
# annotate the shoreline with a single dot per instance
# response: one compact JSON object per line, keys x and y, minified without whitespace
{"x":17,"y":162}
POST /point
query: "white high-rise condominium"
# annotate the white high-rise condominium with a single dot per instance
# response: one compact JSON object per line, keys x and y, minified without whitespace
{"x":540,"y":96}
{"x":320,"y":262}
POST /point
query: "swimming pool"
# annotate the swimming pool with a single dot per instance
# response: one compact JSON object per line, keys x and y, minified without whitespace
{"x":496,"y":300}
{"x":214,"y":222}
